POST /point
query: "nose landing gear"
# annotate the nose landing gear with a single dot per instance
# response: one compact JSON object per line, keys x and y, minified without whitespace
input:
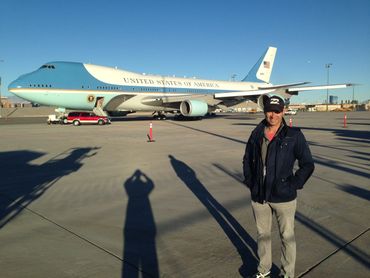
{"x":158,"y":115}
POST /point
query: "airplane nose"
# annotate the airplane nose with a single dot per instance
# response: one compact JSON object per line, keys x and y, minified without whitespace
{"x":14,"y":85}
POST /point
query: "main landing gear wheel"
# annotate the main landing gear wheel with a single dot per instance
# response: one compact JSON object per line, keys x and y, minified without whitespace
{"x":159,"y":116}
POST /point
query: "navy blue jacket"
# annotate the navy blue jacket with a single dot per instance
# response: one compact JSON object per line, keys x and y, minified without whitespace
{"x":280,"y":183}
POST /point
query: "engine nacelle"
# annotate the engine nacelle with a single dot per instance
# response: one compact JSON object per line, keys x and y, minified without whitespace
{"x":193,"y":108}
{"x":260,"y":102}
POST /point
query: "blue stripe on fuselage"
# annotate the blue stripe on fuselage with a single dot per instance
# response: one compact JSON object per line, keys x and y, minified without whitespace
{"x":64,"y":75}
{"x":74,"y":76}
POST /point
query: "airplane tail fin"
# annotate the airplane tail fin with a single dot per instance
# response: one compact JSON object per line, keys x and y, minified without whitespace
{"x":262,"y":69}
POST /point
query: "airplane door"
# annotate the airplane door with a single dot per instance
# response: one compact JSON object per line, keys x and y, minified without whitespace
{"x":99,"y":102}
{"x":98,"y":108}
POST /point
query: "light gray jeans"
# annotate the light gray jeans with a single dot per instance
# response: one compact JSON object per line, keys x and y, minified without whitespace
{"x":284,"y":213}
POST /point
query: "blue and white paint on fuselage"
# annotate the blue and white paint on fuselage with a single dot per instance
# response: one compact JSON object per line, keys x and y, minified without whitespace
{"x":78,"y":86}
{"x":69,"y":84}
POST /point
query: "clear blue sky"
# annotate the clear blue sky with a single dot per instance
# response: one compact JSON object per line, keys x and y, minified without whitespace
{"x":210,"y":39}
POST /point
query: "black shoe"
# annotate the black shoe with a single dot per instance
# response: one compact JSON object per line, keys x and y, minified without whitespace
{"x":262,"y":275}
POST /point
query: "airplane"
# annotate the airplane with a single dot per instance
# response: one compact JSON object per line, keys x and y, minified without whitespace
{"x":79,"y":86}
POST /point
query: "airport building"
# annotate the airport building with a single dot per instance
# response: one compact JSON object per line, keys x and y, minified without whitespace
{"x":333,"y":100}
{"x":6,"y":102}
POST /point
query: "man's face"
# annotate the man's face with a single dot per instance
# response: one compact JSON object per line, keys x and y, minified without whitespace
{"x":274,"y":119}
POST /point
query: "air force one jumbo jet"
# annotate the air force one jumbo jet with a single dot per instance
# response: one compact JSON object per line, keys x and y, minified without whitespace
{"x":78,"y":86}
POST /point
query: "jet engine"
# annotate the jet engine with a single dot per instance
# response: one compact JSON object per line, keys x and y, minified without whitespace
{"x":260,"y":101}
{"x":193,"y":108}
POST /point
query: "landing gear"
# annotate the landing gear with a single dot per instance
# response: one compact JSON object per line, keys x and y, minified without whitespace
{"x":158,"y":115}
{"x":180,"y":117}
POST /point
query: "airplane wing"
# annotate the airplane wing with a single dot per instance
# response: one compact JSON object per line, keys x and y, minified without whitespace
{"x":290,"y":89}
{"x":283,"y":85}
{"x":243,"y":93}
{"x":319,"y":87}
{"x":261,"y":90}
{"x":116,"y":101}
{"x":175,"y":100}
{"x":152,"y":99}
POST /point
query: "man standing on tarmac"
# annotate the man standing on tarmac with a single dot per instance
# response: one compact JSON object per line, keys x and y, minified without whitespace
{"x":268,"y":162}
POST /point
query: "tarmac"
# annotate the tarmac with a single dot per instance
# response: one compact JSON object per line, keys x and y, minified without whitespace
{"x":101,"y":201}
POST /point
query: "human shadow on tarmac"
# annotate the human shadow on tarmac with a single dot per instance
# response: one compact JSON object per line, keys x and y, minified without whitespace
{"x":312,"y":143}
{"x":321,"y":230}
{"x":24,"y":182}
{"x":140,"y":254}
{"x":361,"y":136}
{"x":340,"y":166}
{"x":243,"y":242}
{"x":356,"y":191}
{"x":210,"y":133}
{"x":341,"y":244}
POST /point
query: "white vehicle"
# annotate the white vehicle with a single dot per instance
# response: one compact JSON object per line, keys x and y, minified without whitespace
{"x":290,"y":111}
{"x":56,"y":119}
{"x":53,"y":119}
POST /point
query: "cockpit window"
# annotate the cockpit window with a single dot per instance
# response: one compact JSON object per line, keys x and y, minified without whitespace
{"x":48,"y":67}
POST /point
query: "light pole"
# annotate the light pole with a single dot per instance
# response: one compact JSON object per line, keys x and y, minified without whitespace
{"x":1,"y":103}
{"x":327,"y":66}
{"x":353,"y":98}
